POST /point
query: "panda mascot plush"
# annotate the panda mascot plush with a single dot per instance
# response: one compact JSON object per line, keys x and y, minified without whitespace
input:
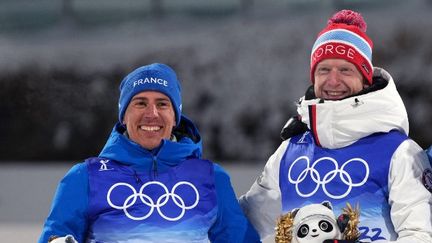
{"x":316,"y":223}
{"x":65,"y":239}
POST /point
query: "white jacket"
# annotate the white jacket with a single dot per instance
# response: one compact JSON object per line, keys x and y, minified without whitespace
{"x":340,"y":124}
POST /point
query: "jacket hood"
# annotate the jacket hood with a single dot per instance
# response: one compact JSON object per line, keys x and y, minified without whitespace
{"x":336,"y":124}
{"x":120,"y":148}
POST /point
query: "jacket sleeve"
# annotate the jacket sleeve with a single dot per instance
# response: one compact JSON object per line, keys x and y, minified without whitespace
{"x":231,"y":224}
{"x":262,"y":203}
{"x":410,"y":201}
{"x":68,"y":212}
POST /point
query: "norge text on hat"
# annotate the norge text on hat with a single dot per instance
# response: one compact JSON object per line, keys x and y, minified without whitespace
{"x":344,"y":37}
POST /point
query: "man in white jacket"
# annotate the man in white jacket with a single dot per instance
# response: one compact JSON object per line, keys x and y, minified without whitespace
{"x":348,"y":144}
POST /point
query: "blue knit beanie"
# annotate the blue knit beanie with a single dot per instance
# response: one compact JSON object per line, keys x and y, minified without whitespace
{"x":154,"y":77}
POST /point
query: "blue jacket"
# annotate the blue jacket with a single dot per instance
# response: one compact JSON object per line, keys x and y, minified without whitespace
{"x":69,"y":210}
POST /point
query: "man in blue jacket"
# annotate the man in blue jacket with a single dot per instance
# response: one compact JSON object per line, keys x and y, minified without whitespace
{"x":149,"y":183}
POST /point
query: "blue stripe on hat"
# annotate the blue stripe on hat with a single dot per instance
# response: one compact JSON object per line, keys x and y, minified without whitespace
{"x":345,"y":36}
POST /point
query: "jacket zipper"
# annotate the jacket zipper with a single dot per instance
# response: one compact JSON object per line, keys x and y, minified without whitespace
{"x":155,"y":171}
{"x":137,"y":179}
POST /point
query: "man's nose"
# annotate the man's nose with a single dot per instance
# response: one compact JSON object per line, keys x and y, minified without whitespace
{"x":151,"y":111}
{"x":333,"y":77}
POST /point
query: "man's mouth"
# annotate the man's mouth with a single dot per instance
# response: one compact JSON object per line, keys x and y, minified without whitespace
{"x":150,"y":128}
{"x":335,"y":94}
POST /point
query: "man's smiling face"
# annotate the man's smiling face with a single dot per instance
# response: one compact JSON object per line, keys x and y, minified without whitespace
{"x":149,"y":118}
{"x":336,"y":79}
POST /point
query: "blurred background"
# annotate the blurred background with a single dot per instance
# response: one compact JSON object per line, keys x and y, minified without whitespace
{"x":242,"y":65}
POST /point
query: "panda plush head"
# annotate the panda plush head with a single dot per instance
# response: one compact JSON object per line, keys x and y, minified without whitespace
{"x":315,"y":223}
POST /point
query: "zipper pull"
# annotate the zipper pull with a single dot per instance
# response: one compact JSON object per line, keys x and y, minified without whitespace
{"x":137,"y":179}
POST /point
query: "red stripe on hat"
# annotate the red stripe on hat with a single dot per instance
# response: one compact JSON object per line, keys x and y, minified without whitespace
{"x":335,"y":49}
{"x":312,"y":118}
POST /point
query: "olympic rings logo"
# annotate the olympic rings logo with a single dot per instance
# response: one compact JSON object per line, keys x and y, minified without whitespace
{"x":147,"y":200}
{"x":323,"y":181}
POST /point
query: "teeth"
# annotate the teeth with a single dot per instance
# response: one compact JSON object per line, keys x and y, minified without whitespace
{"x":150,"y":128}
{"x":334,"y":93}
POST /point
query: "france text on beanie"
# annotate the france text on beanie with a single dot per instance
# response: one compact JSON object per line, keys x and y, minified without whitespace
{"x":154,"y":77}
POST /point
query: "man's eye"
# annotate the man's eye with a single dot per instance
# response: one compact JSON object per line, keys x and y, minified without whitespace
{"x":140,"y":103}
{"x":346,"y":70}
{"x":323,"y":70}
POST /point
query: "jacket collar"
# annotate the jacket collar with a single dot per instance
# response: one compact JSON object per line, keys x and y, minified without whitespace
{"x":120,"y":148}
{"x":337,"y":124}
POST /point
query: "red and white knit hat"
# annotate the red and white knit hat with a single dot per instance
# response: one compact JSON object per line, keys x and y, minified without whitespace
{"x":344,"y":37}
